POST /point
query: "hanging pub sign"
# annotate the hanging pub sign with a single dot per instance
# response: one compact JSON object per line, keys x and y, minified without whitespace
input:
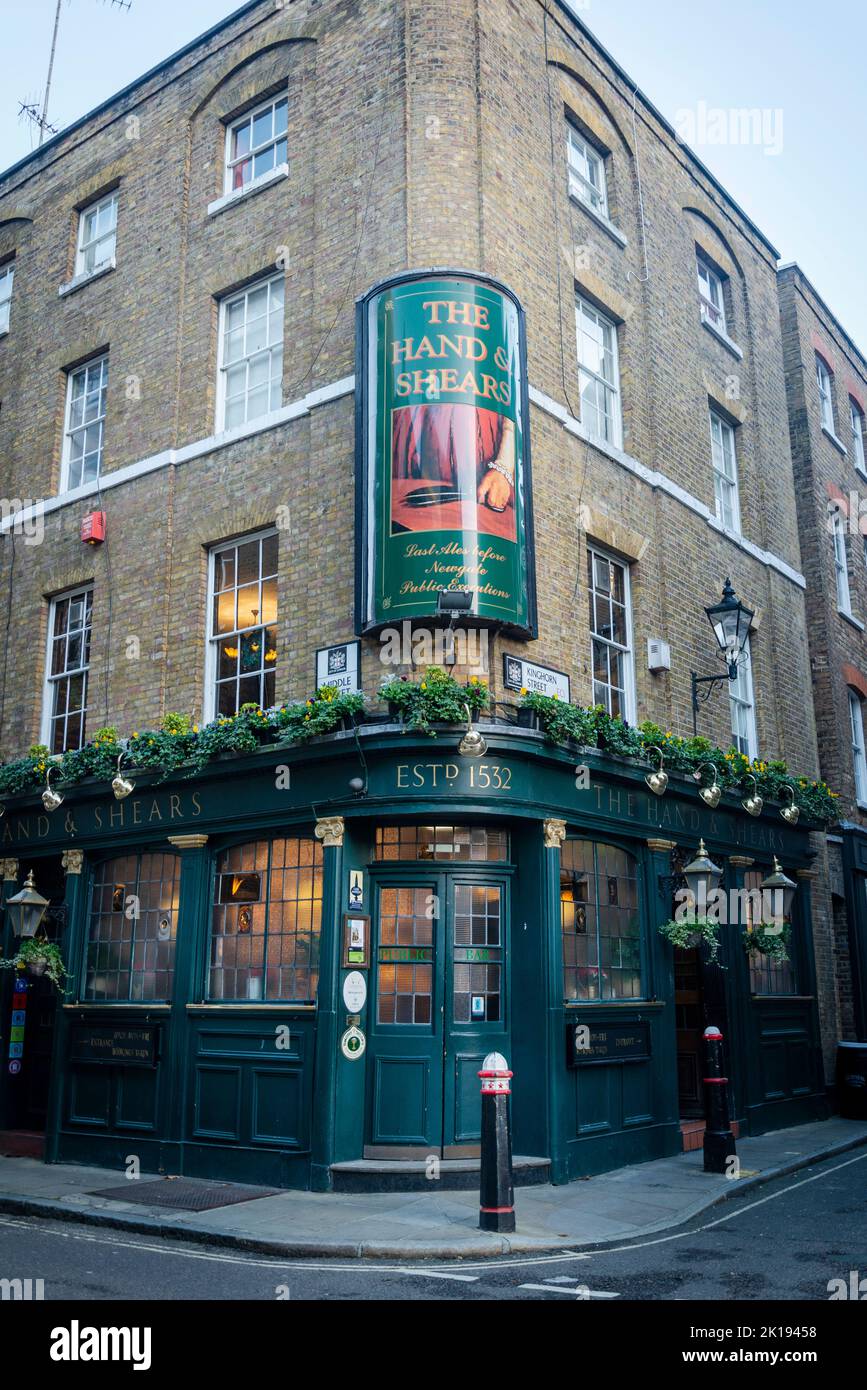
{"x":519,"y":674}
{"x":443,"y":468}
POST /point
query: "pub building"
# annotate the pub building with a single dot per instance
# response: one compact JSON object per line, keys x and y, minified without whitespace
{"x":286,"y":962}
{"x":493,"y":905}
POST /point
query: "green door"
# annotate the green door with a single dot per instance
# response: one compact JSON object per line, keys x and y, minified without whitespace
{"x":438,"y":1006}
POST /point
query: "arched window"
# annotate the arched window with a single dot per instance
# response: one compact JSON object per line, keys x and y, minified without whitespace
{"x":131,"y":937}
{"x":266,"y":919}
{"x":601,"y":923}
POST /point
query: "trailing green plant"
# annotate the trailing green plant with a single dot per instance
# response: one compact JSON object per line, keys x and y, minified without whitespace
{"x":174,"y":723}
{"x":769,"y":942}
{"x":34,"y":950}
{"x":435,"y":699}
{"x":595,"y":728}
{"x":327,"y":710}
{"x":692,"y":931}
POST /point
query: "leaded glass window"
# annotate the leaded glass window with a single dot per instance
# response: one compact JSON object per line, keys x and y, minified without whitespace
{"x":600,"y":921}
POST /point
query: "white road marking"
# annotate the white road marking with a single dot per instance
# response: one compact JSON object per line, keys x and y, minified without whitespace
{"x":579,"y":1292}
{"x":439,"y":1274}
{"x":490,"y":1266}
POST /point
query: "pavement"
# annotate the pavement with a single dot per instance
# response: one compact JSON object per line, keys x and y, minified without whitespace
{"x":593,"y":1213}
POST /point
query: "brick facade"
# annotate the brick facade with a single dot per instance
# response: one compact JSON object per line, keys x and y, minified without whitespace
{"x":419,"y":135}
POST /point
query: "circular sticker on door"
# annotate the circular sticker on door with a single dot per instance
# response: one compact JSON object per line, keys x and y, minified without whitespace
{"x":353,"y":1043}
{"x":355,"y":992}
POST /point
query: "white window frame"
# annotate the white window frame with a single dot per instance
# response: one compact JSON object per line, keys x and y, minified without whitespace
{"x":51,"y":682}
{"x":247,"y":119}
{"x":841,"y":565}
{"x":213,"y":639}
{"x":110,"y":236}
{"x":223,"y":368}
{"x":711,"y":295}
{"x":742,"y":701}
{"x":595,"y":552}
{"x":580,"y":186}
{"x":726,"y":491}
{"x":856,"y":421}
{"x":69,"y":430}
{"x":826,"y":394}
{"x":859,"y":760}
{"x":586,"y":314}
{"x":7,"y":275}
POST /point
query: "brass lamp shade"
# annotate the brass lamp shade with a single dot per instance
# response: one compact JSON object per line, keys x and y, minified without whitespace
{"x":27,"y":909}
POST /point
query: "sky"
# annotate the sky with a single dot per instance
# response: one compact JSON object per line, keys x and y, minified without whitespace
{"x":800,"y":176}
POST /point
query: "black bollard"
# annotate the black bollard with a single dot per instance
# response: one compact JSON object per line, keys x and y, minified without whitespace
{"x":496,"y":1194}
{"x":719,"y":1142}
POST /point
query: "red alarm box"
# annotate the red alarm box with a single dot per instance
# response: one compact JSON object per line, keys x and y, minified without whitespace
{"x":93,"y":528}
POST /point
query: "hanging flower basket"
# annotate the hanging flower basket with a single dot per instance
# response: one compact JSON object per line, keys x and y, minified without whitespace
{"x":39,"y":957}
{"x":773,"y":945}
{"x":690,"y":932}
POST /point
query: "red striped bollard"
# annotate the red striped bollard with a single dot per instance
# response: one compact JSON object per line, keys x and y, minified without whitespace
{"x":496,"y":1193}
{"x":719,"y":1141}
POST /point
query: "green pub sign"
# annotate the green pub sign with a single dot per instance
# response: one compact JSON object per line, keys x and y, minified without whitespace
{"x":443,"y":447}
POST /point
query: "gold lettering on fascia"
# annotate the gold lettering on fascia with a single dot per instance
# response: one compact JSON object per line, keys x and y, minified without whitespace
{"x":122,"y":815}
{"x":437,"y":776}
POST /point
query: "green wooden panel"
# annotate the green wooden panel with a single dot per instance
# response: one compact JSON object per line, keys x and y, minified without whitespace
{"x":217,"y":1103}
{"x":466,"y":1120}
{"x":137,"y":1096}
{"x":89,"y":1096}
{"x":402,"y":1110}
{"x":276,"y":1106}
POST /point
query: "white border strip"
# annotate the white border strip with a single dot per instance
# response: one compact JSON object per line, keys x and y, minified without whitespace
{"x":659,"y":480}
{"x":294,"y":411}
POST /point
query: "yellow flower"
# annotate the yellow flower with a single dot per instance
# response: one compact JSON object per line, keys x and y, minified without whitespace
{"x":424,"y":685}
{"x":523,"y":690}
{"x":135,"y":735}
{"x":195,"y":730}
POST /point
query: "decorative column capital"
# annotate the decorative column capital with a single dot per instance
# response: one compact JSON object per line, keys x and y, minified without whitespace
{"x":330,"y":831}
{"x":188,"y":841}
{"x":553,"y":833}
{"x":661,"y":846}
{"x":741,"y":861}
{"x":9,"y":869}
{"x":72,"y":861}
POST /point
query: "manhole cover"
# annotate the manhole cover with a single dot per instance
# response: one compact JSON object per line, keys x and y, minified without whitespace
{"x":183,"y":1194}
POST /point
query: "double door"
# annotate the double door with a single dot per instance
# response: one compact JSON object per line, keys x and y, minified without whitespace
{"x":439,"y":1004}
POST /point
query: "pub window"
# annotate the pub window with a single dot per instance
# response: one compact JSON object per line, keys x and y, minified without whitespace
{"x":455,"y":843}
{"x":743,"y":706}
{"x":250,"y":380}
{"x":97,"y":235}
{"x":586,"y":172}
{"x":856,"y":421}
{"x":724,"y":460}
{"x":610,"y":633}
{"x":256,"y":144}
{"x":131,"y":937}
{"x":711,"y":294}
{"x":598,"y":373}
{"x":824,"y":381}
{"x":859,"y":759}
{"x":600,"y":921}
{"x":7,"y":274}
{"x":242,"y":649}
{"x":66,"y":687}
{"x":841,"y":563}
{"x":266,"y":920}
{"x":767,"y":976}
{"x":84,"y":432}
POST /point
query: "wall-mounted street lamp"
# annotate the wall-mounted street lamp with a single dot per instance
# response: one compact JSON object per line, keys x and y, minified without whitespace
{"x":27,"y":909}
{"x":702,"y":876}
{"x":778,"y":891}
{"x":730,"y":620}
